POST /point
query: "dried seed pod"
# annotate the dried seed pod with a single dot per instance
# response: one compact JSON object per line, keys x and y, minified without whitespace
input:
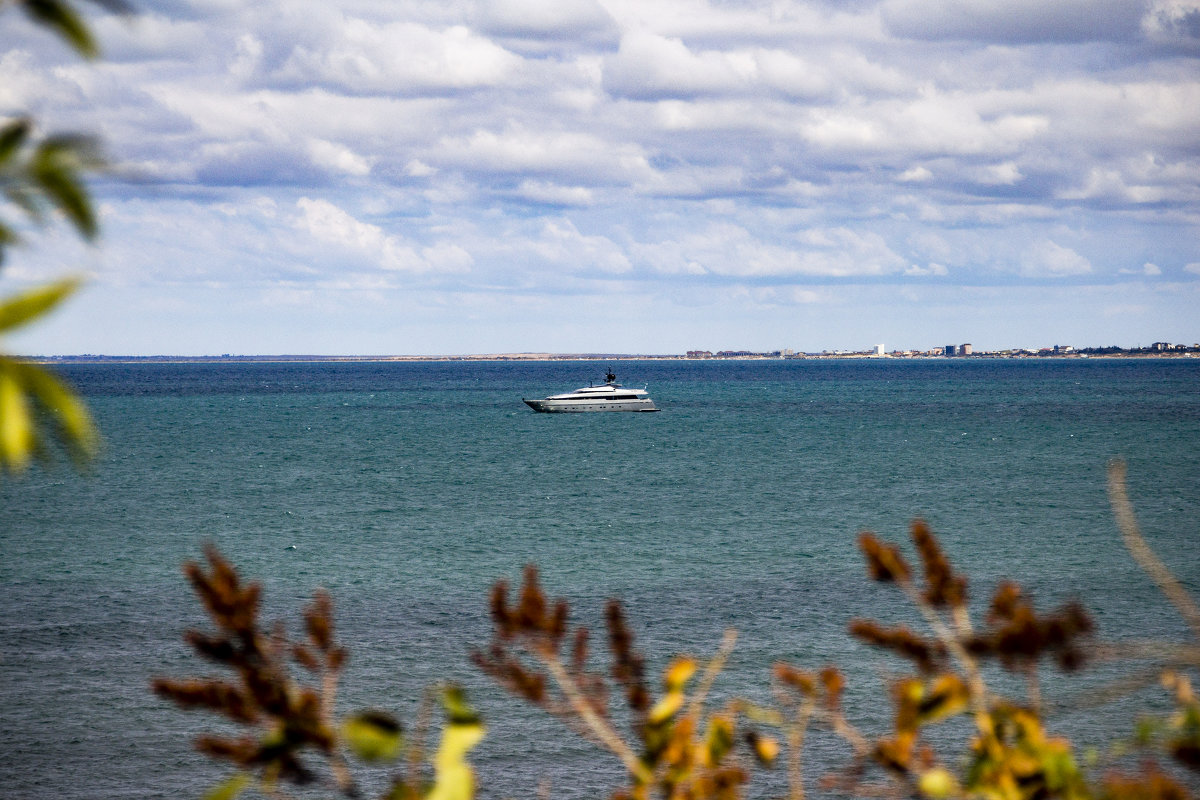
{"x":943,"y":587}
{"x":884,"y":562}
{"x":929,"y":655}
{"x":803,"y":682}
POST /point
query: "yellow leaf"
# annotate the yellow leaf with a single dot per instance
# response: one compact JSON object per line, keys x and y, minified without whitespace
{"x":230,"y":789}
{"x":679,"y":673}
{"x":665,"y":708}
{"x":453,"y":777}
{"x":766,"y":749}
{"x":937,"y":784}
{"x":946,"y":697}
{"x":16,"y":424}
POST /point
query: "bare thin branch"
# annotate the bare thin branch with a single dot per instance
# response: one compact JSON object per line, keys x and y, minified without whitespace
{"x":600,"y":727}
{"x":1141,"y":552}
{"x":711,"y":671}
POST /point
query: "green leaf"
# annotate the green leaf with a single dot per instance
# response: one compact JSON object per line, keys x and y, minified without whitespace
{"x":719,"y":740}
{"x":16,"y":311}
{"x":1146,"y":730}
{"x":54,"y":169}
{"x":62,"y":19}
{"x":373,"y":736}
{"x":230,"y":789}
{"x":12,"y":136}
{"x":454,"y":702}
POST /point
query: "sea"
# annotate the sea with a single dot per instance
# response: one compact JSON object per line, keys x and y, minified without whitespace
{"x":409,"y":489}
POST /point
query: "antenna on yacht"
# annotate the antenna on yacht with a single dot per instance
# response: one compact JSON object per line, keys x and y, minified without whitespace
{"x":609,"y":375}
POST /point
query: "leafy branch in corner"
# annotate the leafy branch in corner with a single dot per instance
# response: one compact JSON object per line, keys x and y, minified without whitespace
{"x":39,"y":176}
{"x":1011,"y":755}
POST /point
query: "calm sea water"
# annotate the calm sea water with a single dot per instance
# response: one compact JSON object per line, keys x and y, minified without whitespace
{"x":408,"y":489}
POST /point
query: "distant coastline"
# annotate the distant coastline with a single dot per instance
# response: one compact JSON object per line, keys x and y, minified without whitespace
{"x":1056,"y":353}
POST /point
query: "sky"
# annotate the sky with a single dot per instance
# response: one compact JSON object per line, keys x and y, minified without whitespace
{"x":622,"y":176}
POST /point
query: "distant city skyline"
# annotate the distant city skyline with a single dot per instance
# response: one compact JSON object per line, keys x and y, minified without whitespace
{"x":965,"y":350}
{"x":621,"y":175}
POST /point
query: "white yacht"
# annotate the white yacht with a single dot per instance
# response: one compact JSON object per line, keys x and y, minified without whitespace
{"x":612,"y":396}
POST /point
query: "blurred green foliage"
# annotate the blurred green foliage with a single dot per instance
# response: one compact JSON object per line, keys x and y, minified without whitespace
{"x":40,"y":176}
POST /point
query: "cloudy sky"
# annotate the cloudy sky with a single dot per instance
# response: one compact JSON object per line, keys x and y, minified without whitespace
{"x":643,"y":176}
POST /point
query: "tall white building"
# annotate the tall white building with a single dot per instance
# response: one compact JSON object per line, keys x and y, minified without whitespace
{"x":878,"y":349}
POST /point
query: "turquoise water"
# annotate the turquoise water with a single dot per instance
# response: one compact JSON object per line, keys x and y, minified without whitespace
{"x":408,"y":489}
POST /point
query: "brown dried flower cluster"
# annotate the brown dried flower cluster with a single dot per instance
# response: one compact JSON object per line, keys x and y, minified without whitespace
{"x":943,"y":586}
{"x":1019,"y":637}
{"x":539,"y":626}
{"x":283,"y":718}
{"x":1016,"y":635}
{"x":675,"y":751}
{"x":927,"y":653}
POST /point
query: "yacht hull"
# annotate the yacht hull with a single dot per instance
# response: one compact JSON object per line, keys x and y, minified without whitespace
{"x":575,"y":406}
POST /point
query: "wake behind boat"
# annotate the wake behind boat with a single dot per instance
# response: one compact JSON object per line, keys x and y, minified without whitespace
{"x":612,"y":396}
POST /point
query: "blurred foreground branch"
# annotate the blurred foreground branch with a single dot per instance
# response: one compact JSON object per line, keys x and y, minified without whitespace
{"x":673,"y":746}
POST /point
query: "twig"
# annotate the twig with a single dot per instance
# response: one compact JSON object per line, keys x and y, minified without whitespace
{"x":416,"y":752}
{"x":600,"y":727}
{"x":710,"y":673}
{"x":337,"y":761}
{"x":975,"y":682}
{"x":1033,"y":687}
{"x":1182,"y":655}
{"x":1107,"y":693}
{"x":796,"y":733}
{"x":1137,"y":546}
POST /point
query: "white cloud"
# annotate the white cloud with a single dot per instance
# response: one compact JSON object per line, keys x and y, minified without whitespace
{"x":337,"y":157}
{"x":930,"y":269}
{"x":149,"y":35}
{"x":1049,"y":260}
{"x":518,"y":149}
{"x":554,"y":194}
{"x":734,"y":251}
{"x":1148,"y":270}
{"x":327,"y":223}
{"x":932,"y":122}
{"x":653,"y":66}
{"x":1005,"y":174}
{"x":399,"y":57}
{"x":915,"y":175}
{"x":1176,"y":21}
{"x":1193,"y":268}
{"x":248,"y":58}
{"x":560,"y":244}
{"x":1109,"y":184}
